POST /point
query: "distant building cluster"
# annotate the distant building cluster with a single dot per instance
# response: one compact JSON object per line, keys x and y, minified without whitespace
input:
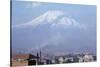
{"x":75,"y":58}
{"x":30,"y":59}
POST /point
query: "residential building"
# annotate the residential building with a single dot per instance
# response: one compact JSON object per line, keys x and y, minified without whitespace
{"x":24,"y":60}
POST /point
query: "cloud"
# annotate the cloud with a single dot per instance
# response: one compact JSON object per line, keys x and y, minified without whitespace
{"x":55,"y":39}
{"x":33,"y":4}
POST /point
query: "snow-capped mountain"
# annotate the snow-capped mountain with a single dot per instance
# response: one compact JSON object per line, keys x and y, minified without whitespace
{"x":53,"y":17}
{"x":52,"y":31}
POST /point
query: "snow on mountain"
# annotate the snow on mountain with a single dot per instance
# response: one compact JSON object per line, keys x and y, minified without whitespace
{"x":54,"y":38}
{"x":53,"y":17}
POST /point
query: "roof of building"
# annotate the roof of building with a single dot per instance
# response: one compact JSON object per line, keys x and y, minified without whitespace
{"x":24,"y":56}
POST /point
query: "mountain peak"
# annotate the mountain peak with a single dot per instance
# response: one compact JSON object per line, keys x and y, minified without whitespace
{"x":55,"y":18}
{"x":53,"y":14}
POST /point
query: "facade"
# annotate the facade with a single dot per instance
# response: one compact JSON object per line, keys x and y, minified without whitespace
{"x":88,"y":58}
{"x":46,"y":60}
{"x":74,"y":58}
{"x":64,"y":59}
{"x":24,"y":60}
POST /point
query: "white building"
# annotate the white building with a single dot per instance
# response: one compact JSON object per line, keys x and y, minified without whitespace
{"x":61,"y":60}
{"x":88,"y":58}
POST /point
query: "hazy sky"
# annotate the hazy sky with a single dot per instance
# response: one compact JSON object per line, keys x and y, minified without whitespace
{"x":52,"y":27}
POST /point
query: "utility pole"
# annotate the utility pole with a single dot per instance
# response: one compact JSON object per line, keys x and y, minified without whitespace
{"x":40,"y":56}
{"x":37,"y":58}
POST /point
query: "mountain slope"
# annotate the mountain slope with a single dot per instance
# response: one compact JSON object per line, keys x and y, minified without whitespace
{"x":53,"y":32}
{"x":53,"y":17}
